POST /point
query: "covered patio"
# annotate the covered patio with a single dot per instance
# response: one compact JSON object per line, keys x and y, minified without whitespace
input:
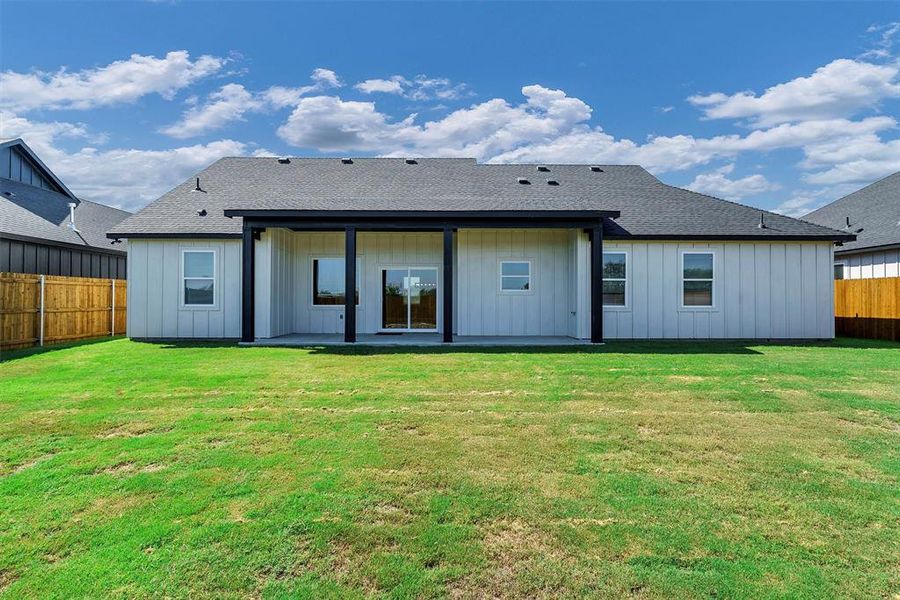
{"x":277,"y":294}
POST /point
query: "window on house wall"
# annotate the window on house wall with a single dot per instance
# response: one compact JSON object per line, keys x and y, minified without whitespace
{"x":697,"y":278}
{"x":614,"y":278}
{"x":328,"y":282}
{"x":515,"y":276}
{"x":839,"y":272}
{"x":199,"y":273}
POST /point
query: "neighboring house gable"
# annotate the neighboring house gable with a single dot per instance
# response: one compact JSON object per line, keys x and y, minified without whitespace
{"x":36,"y":233}
{"x":873,"y":215}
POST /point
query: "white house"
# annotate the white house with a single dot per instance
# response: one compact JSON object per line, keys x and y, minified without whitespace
{"x":873,"y":215}
{"x":323,"y":250}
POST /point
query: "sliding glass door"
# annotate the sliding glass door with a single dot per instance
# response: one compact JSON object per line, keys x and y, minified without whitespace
{"x":409,"y":299}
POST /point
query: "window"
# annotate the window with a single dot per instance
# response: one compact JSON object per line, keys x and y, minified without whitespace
{"x":838,"y":271}
{"x":697,"y":278}
{"x":328,"y":282}
{"x":614,"y":278}
{"x":199,"y":273}
{"x":515,"y":276}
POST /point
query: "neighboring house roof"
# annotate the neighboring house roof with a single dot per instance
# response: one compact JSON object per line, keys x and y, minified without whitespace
{"x":873,"y":211}
{"x":649,"y":208}
{"x":34,"y":213}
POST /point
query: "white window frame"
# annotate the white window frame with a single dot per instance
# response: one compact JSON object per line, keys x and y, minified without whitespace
{"x":312,"y":290}
{"x":627,"y":280}
{"x":681,"y":280}
{"x":214,"y":278}
{"x":846,"y":269}
{"x":500,"y":276}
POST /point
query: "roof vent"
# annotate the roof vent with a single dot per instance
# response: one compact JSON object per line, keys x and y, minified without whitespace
{"x":596,"y":169}
{"x":552,"y":182}
{"x":847,"y":221}
{"x":762,"y":220}
{"x":543,"y":168}
{"x":347,"y":161}
{"x":197,"y":188}
{"x":9,"y":194}
{"x":202,"y":212}
{"x":523,"y":181}
{"x":411,"y":161}
{"x":284,"y":160}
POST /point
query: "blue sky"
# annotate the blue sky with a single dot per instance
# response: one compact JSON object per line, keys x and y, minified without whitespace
{"x":779,"y":105}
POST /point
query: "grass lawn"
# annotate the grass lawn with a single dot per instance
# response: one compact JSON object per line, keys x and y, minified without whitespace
{"x":654,"y":470}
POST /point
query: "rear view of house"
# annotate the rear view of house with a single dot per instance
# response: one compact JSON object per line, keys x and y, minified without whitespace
{"x":45,"y":229}
{"x":873,"y":215}
{"x":448,"y":249}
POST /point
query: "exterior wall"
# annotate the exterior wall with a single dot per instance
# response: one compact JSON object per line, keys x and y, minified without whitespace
{"x":777,"y":290}
{"x":870,"y":265}
{"x":17,"y":256}
{"x":762,"y":290}
{"x":485,"y":310}
{"x":155,"y":307}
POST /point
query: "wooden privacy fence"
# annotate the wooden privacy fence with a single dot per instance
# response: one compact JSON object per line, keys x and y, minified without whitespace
{"x":43,"y":309}
{"x":868,"y":308}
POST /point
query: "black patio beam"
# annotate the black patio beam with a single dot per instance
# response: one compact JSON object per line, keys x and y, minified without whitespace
{"x":248,"y":249}
{"x":350,"y":284}
{"x":597,"y":284}
{"x":448,"y":285}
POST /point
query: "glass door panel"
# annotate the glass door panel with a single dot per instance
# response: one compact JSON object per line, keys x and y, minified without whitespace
{"x":423,"y":298}
{"x":394,"y":304}
{"x":409,"y":299}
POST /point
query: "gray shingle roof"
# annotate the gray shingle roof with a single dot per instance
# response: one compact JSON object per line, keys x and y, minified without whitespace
{"x":33,"y":212}
{"x":648,"y":207}
{"x":875,"y":209}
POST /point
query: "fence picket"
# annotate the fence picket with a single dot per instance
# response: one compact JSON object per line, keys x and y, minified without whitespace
{"x":868,"y":308}
{"x":37,"y":309}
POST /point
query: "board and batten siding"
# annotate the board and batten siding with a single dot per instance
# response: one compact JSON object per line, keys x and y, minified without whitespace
{"x":155,"y":303}
{"x":284,"y":277}
{"x":485,"y":310}
{"x":762,"y":290}
{"x":870,"y":265}
{"x":765,"y":290}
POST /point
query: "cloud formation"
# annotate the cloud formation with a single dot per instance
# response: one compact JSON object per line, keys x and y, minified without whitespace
{"x":119,"y":82}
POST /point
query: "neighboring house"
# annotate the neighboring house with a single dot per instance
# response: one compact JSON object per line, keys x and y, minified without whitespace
{"x":873,"y":215}
{"x":262,"y":247}
{"x":37,"y":232}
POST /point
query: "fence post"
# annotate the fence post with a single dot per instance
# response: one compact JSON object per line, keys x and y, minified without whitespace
{"x":41,"y":338}
{"x":112,"y":310}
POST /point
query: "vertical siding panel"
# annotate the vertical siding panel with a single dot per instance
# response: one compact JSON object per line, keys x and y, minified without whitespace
{"x":778,"y":291}
{"x":762,"y":283}
{"x":655,"y":290}
{"x":637,"y":278}
{"x":731,"y":298}
{"x":170,"y":287}
{"x":793,"y":287}
{"x":747,"y":293}
{"x":809,"y":291}
{"x":671,"y":293}
{"x":824,"y":291}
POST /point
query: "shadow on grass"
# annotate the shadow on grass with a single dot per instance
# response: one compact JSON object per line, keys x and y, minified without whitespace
{"x":748,"y":347}
{"x":6,"y":355}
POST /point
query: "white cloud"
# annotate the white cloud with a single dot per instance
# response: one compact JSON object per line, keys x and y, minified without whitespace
{"x":394,"y":85}
{"x":838,"y":89}
{"x":800,"y":205}
{"x":718,"y":184}
{"x":227,"y":105}
{"x":119,"y":82}
{"x":420,"y":88}
{"x":233,"y":101}
{"x":126,"y":178}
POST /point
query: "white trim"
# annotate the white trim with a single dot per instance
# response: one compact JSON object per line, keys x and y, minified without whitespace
{"x":360,"y":282}
{"x":215,"y":279}
{"x":681,"y":280}
{"x":438,"y":318}
{"x":627,"y":280}
{"x":500,"y":276}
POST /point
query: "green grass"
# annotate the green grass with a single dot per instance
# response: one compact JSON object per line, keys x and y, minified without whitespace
{"x":660,"y":470}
